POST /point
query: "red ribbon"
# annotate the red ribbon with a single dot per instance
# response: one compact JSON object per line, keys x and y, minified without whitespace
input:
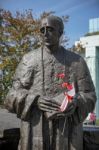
{"x":70,"y":98}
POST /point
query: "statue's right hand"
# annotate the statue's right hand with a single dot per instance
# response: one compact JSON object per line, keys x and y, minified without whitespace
{"x":47,"y":104}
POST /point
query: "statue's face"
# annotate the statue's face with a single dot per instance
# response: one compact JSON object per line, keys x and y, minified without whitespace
{"x":50,"y":32}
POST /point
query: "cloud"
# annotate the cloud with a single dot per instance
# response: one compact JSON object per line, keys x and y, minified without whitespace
{"x":73,"y":5}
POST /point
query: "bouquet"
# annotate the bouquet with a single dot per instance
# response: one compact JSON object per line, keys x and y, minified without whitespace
{"x":67,"y":95}
{"x":68,"y":89}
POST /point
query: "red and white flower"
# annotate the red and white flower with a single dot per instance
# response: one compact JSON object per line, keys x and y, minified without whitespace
{"x":69,"y":93}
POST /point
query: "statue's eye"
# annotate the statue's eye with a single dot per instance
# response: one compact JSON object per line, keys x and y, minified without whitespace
{"x":50,"y":29}
{"x":46,"y":29}
{"x":42,"y":30}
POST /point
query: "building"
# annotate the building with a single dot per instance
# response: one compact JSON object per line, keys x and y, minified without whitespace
{"x":91,"y":44}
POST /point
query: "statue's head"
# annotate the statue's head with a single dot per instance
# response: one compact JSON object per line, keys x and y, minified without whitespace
{"x":52,"y":28}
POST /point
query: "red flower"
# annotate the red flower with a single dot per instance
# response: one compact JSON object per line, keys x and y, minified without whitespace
{"x":61,"y":75}
{"x":67,"y":85}
{"x":64,"y":85}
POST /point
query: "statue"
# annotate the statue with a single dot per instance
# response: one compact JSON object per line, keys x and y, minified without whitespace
{"x":38,"y":92}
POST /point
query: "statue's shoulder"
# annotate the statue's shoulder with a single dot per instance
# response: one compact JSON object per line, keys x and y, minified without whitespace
{"x":72,"y":56}
{"x":27,"y":64}
{"x":76,"y":62}
{"x":32,"y":57}
{"x":73,"y":59}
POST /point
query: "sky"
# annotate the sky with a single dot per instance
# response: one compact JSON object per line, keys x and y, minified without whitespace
{"x":79,"y":12}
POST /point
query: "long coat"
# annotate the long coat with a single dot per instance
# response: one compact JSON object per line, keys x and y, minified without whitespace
{"x":36,"y":75}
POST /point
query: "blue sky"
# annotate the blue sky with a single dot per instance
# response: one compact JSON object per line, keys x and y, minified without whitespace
{"x":79,"y":11}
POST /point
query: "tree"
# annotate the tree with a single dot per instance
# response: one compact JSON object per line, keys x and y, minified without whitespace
{"x":78,"y":48}
{"x":16,"y":38}
{"x":18,"y":35}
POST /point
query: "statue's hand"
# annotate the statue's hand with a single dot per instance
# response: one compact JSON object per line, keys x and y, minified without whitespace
{"x":70,"y":109}
{"x":48,"y":104}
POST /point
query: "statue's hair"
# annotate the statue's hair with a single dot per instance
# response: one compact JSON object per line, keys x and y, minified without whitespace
{"x":58,"y":22}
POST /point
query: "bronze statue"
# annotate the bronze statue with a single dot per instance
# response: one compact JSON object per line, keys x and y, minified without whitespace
{"x":37,"y":94}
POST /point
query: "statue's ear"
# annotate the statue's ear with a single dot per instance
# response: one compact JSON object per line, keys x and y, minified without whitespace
{"x":60,"y":33}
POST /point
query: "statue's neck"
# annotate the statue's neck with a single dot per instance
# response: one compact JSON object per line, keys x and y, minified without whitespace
{"x":52,"y":49}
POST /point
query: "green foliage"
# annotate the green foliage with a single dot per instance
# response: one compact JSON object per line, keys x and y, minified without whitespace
{"x":78,"y":48}
{"x":97,"y":122}
{"x":15,"y":40}
{"x":93,"y":33}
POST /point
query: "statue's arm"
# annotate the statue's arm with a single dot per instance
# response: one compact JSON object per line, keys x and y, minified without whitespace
{"x":19,"y":94}
{"x":86,"y":101}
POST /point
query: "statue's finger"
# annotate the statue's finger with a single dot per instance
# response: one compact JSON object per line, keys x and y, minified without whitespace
{"x":49,"y":103}
{"x":48,"y":107}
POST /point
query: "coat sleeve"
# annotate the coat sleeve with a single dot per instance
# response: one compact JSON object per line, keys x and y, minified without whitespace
{"x":86,"y":101}
{"x":19,"y":99}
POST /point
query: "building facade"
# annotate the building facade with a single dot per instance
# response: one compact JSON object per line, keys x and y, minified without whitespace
{"x":91,"y":45}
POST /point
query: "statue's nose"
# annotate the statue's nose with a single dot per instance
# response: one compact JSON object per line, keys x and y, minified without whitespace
{"x":45,"y":31}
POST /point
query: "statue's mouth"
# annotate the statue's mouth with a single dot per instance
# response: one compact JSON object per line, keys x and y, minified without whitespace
{"x":47,"y":40}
